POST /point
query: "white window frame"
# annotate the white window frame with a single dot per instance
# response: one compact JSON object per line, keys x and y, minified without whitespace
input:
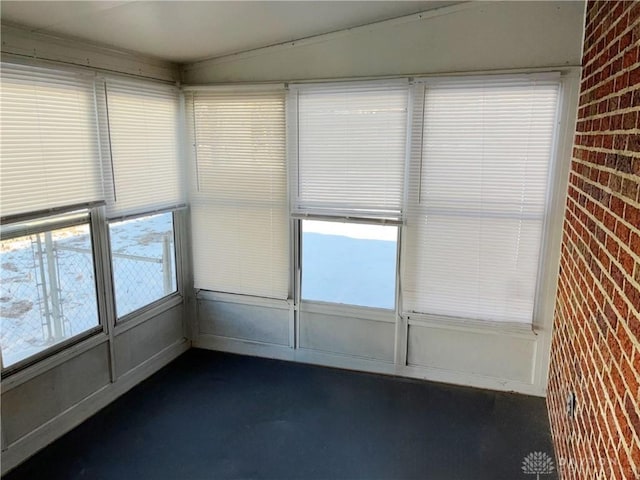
{"x":195,"y":194}
{"x":108,"y":328}
{"x":141,"y":314}
{"x":553,"y":204}
{"x":63,"y":218}
{"x":331,"y":308}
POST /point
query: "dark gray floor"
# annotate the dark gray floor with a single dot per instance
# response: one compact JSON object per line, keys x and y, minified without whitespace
{"x":212,"y":415}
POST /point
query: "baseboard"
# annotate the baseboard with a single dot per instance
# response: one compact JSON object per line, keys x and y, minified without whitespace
{"x":243,"y":347}
{"x":39,"y":438}
{"x":347,"y":362}
{"x":465,"y":379}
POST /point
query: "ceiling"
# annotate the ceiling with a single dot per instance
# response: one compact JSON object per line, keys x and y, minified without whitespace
{"x":185,"y":31}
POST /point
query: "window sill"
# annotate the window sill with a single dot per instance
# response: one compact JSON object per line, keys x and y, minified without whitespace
{"x":38,"y":366}
{"x":513,"y":329}
{"x":243,"y":299}
{"x":353,"y":311}
{"x":147,"y":312}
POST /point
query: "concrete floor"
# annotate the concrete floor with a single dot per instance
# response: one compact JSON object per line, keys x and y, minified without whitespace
{"x":212,"y":415}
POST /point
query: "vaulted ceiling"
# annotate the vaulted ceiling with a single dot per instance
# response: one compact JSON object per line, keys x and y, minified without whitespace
{"x":192,"y":30}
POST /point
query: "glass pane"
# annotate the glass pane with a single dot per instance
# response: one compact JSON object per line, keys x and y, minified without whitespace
{"x":144,"y":261}
{"x":349,"y":263}
{"x":47,"y":291}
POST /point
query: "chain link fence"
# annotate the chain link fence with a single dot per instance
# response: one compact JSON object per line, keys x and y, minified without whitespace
{"x":48,"y":290}
{"x":140,"y":280}
{"x":46,"y":294}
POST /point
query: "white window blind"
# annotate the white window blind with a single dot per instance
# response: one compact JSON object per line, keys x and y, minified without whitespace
{"x":350,"y":152}
{"x":50,"y":154}
{"x":239,"y":195}
{"x":143,"y":131}
{"x":478,"y":196}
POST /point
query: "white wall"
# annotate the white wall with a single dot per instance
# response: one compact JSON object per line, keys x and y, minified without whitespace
{"x":45,"y":401}
{"x":52,"y":396}
{"x":479,"y":36}
{"x":470,"y":37}
{"x":21,"y":42}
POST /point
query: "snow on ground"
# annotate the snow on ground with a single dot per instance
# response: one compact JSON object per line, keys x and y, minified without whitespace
{"x":342,"y":263}
{"x":346,"y":263}
{"x":24,"y":329}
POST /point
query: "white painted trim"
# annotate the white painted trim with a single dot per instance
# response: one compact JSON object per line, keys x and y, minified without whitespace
{"x":237,"y":88}
{"x":330,"y":216}
{"x":243,"y":299}
{"x":39,"y":438}
{"x":44,"y":47}
{"x":148,"y":312}
{"x":423,"y":76}
{"x":520,"y":330}
{"x":352,"y":311}
{"x":543,"y":75}
{"x":241,"y":347}
{"x":104,"y":279}
{"x":48,"y":363}
{"x":402,"y":81}
{"x":184,"y":262}
{"x":469,"y":380}
{"x":552,"y":241}
{"x":344,"y":361}
{"x":416,"y":17}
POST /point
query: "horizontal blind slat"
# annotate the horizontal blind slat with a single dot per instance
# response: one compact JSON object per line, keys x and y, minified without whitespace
{"x":143,"y":129}
{"x":481,"y":155}
{"x":239,"y":193}
{"x":49,"y":146}
{"x":351,"y":149}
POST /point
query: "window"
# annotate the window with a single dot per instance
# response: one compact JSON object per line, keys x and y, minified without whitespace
{"x":47,"y":286}
{"x":51,"y":165}
{"x":349,"y":167}
{"x":146,"y":178}
{"x":50,"y":145}
{"x":478,"y":197}
{"x":145,"y":171}
{"x":349,"y":263}
{"x":239,"y":215}
{"x":144,"y":262}
{"x":350,"y":155}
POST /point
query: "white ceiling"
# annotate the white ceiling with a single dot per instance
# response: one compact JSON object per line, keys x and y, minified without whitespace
{"x":184,"y":31}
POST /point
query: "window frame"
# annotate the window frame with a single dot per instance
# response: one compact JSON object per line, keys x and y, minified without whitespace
{"x":200,"y":197}
{"x":415,"y":201}
{"x":301,"y":208}
{"x":297,"y":215}
{"x":107,"y":328}
{"x":63,"y":218}
{"x":141,"y":314}
{"x":351,"y":307}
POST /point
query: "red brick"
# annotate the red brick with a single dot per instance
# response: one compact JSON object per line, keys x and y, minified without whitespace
{"x":632,"y":215}
{"x":627,"y":261}
{"x":633,"y":143}
{"x":596,"y":339}
{"x":634,"y":242}
{"x":633,"y":77}
{"x":629,"y":120}
{"x":630,"y":188}
{"x":617,"y":204}
{"x":622,"y":232}
{"x":630,"y":57}
{"x":631,"y":407}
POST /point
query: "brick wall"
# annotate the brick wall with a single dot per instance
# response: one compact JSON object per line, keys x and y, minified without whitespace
{"x":596,"y":340}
